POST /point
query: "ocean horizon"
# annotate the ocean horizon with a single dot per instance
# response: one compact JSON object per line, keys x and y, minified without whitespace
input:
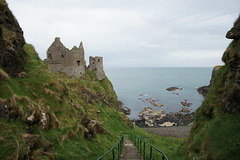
{"x":134,"y":86}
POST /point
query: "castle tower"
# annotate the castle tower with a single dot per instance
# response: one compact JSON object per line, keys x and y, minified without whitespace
{"x":96,"y":65}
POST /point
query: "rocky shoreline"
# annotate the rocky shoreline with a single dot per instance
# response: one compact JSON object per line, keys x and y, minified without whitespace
{"x":165,"y":120}
{"x":151,"y":118}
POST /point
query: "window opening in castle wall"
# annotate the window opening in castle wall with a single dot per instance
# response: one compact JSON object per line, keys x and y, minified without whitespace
{"x":78,"y":62}
{"x":50,"y":56}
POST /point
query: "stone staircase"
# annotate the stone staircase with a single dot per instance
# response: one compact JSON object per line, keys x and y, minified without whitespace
{"x":130,"y":152}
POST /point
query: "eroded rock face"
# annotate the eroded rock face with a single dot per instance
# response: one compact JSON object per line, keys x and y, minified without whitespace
{"x":92,"y":127}
{"x":37,"y":147}
{"x":231,"y":57}
{"x":125,"y":110}
{"x":205,"y":89}
{"x":234,"y":33}
{"x":11,"y":42}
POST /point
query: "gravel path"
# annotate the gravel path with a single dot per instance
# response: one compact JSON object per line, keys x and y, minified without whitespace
{"x":180,"y":131}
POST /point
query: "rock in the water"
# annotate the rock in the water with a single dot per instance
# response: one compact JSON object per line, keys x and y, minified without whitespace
{"x":153,"y":102}
{"x":185,"y":103}
{"x":149,"y":116}
{"x":157,"y":104}
{"x":173,"y":89}
{"x":204,"y":90}
{"x":185,"y":110}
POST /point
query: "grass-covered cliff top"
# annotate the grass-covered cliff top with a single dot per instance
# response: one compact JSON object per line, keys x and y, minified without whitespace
{"x":215,"y":133}
{"x":43,"y":115}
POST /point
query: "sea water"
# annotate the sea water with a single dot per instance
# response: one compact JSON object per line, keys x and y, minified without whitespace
{"x":134,"y":85}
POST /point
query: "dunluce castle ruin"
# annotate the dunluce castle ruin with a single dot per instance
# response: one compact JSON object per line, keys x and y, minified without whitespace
{"x":72,"y":62}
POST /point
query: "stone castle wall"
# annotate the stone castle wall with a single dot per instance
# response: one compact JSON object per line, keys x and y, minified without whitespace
{"x":72,"y":62}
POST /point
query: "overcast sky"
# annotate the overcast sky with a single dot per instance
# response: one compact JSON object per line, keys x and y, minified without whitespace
{"x":132,"y":33}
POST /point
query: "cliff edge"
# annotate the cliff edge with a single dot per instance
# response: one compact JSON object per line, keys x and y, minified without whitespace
{"x":215,"y":133}
{"x":205,"y":89}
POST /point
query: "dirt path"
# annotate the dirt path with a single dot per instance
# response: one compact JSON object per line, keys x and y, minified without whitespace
{"x":180,"y":131}
{"x":130,"y":152}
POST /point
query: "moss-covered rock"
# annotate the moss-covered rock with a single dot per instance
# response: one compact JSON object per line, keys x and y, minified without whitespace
{"x":215,"y":133}
{"x":12,"y":58}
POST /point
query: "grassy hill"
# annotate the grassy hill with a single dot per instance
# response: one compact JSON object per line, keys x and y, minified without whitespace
{"x":43,"y":114}
{"x":51,"y":116}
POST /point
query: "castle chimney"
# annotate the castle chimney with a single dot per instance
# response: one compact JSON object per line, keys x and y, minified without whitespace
{"x":57,"y":39}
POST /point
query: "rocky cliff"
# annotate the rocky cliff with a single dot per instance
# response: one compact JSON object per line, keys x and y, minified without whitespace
{"x":11,"y":42}
{"x":215,"y":133}
{"x":205,"y":89}
{"x":231,"y":57}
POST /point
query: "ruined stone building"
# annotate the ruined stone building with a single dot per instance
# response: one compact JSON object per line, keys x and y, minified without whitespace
{"x":72,"y":62}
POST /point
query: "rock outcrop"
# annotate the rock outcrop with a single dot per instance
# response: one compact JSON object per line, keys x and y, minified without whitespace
{"x":11,"y":42}
{"x":92,"y":127}
{"x":234,"y":33}
{"x":150,"y":118}
{"x":217,"y":119}
{"x":231,"y":57}
{"x":36,"y":147}
{"x":174,"y":89}
{"x":205,"y":89}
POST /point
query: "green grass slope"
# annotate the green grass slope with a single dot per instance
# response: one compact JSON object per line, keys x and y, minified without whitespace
{"x":56,"y":104}
{"x":215,"y":133}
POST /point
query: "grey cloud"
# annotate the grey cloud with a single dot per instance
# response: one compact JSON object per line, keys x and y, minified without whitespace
{"x":134,"y":33}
